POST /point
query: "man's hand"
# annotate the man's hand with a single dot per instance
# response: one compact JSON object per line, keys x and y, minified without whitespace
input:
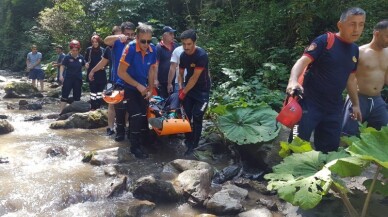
{"x":156,"y":83}
{"x":61,"y":78}
{"x":169,"y":88}
{"x":91,"y":76}
{"x":356,"y":114}
{"x":292,"y":86}
{"x":86,"y":65}
{"x":182,"y":95}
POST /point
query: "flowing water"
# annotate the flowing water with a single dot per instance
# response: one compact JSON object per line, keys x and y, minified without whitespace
{"x":35,"y":184}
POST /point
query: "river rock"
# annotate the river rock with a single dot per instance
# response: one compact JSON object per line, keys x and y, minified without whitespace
{"x":89,"y":120}
{"x":56,"y":151}
{"x":3,"y":117}
{"x":21,"y":90}
{"x":256,"y":212}
{"x":118,"y":188}
{"x":140,"y":208}
{"x":76,"y":107}
{"x":5,"y":127}
{"x":227,"y":201}
{"x":155,"y":190}
{"x":56,"y":93}
{"x":3,"y":79}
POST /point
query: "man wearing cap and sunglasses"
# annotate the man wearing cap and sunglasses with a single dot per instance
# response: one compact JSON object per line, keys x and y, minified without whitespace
{"x":137,"y":71}
{"x":163,"y":54}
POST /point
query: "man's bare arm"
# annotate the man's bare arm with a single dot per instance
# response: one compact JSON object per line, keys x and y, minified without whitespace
{"x":193,"y":80}
{"x":351,"y":87}
{"x":171,"y":74}
{"x":110,"y":40}
{"x":100,"y":65}
{"x":296,"y":71}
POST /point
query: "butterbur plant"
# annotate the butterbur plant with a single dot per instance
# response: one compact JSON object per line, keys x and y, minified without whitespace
{"x":303,"y":179}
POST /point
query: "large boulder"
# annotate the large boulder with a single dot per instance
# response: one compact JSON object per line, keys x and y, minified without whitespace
{"x":21,"y":90}
{"x":89,"y":120}
{"x":76,"y":107}
{"x":5,"y":127}
{"x":155,"y":190}
{"x":227,"y":201}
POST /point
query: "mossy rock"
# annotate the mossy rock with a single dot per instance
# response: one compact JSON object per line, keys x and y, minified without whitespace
{"x":21,"y":88}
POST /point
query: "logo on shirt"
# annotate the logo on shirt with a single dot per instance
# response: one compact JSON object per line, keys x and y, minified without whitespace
{"x":354,"y":59}
{"x":80,"y":60}
{"x":192,"y":65}
{"x":312,"y":46}
{"x":71,"y":60}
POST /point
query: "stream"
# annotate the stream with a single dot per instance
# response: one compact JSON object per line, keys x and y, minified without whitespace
{"x":33,"y":183}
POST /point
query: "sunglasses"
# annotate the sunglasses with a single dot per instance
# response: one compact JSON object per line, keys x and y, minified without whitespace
{"x":143,"y":41}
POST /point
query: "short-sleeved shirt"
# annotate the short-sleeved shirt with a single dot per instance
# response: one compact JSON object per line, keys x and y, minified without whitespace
{"x":138,"y":63}
{"x":198,"y":60}
{"x":163,"y":56}
{"x":93,"y":56}
{"x":329,"y":72}
{"x":33,"y":58}
{"x":59,"y":60}
{"x":117,"y":51}
{"x":175,"y":59}
{"x":73,"y":66}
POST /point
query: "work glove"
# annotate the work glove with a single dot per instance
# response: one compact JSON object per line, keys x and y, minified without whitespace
{"x":182,"y":95}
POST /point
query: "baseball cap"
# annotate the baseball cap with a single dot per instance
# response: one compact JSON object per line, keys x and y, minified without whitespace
{"x":168,"y":29}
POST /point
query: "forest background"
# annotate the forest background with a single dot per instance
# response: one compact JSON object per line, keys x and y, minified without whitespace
{"x":252,"y":44}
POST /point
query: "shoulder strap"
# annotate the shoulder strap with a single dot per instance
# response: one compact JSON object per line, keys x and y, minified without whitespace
{"x":329,"y":44}
{"x":330,"y":40}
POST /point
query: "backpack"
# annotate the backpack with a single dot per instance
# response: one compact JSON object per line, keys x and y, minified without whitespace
{"x":329,"y":45}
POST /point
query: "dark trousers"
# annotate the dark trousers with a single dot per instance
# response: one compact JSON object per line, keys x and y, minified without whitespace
{"x":195,"y":108}
{"x":137,"y":110}
{"x":373,"y":111}
{"x":121,"y":111}
{"x":69,"y":84}
{"x":96,"y":94}
{"x":326,"y":126}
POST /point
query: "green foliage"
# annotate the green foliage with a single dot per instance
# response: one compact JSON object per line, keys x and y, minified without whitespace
{"x":243,"y":91}
{"x":297,"y":145}
{"x":303,"y":178}
{"x":371,"y":146}
{"x":313,"y":173}
{"x":249,"y":125}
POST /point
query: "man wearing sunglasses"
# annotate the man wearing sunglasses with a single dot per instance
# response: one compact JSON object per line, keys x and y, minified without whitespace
{"x":195,"y":94}
{"x":137,"y":71}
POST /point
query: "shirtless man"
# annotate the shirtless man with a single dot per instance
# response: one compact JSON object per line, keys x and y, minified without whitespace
{"x":372,"y":75}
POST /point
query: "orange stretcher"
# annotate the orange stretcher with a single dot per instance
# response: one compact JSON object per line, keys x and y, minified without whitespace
{"x":170,"y":126}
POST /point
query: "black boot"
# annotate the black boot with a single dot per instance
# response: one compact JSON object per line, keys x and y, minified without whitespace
{"x":190,"y":148}
{"x":135,"y":140}
{"x":136,"y":150}
{"x":120,"y":135}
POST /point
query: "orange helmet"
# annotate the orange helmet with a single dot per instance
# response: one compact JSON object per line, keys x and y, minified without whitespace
{"x":290,"y":113}
{"x":113,"y":97}
{"x":74,"y":44}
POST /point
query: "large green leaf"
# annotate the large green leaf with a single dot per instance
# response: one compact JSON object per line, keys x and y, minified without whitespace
{"x":297,"y":145}
{"x":249,"y":125}
{"x":303,"y":178}
{"x":372,"y":145}
{"x":347,"y":166}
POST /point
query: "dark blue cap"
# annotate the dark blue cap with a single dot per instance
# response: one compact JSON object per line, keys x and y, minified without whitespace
{"x":168,"y":29}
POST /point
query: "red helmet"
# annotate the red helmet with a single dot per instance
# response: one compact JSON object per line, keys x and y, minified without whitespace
{"x":95,"y":37}
{"x":290,"y":113}
{"x":74,"y":44}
